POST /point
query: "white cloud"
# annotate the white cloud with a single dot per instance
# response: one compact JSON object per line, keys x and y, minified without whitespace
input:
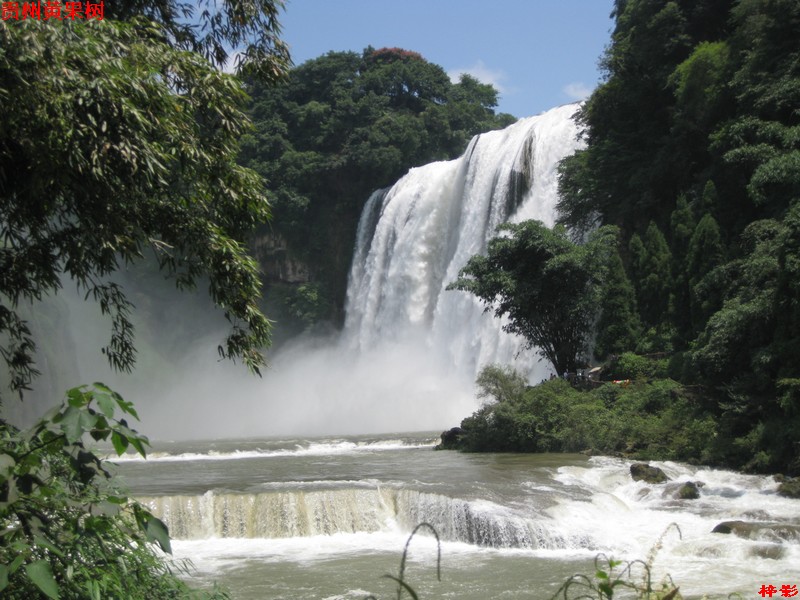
{"x":483,"y":74}
{"x":577,"y":90}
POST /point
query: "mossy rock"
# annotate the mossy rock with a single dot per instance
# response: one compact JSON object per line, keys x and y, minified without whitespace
{"x":790,"y":488}
{"x":647,"y":473}
{"x":688,"y":491}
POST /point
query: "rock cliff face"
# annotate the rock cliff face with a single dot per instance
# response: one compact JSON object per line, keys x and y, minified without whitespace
{"x":277,"y":260}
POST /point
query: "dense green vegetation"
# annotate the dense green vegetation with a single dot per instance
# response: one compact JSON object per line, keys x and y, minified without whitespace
{"x":647,"y":418}
{"x":693,"y":153}
{"x":120,"y":148}
{"x":340,"y":127}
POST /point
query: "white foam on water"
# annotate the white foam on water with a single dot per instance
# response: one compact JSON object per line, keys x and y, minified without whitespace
{"x":626,"y":520}
{"x":312,"y":449}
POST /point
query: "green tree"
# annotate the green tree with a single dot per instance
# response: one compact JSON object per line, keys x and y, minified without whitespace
{"x":250,"y":31}
{"x":701,"y":83}
{"x":708,"y":201}
{"x":500,"y":384}
{"x":699,"y":102}
{"x":705,"y":253}
{"x":737,"y":350}
{"x":103,"y":160}
{"x":632,"y":170}
{"x":547,"y":286}
{"x":682,"y":226}
{"x":122,"y":144}
{"x":651,"y":264}
{"x":619,"y":326}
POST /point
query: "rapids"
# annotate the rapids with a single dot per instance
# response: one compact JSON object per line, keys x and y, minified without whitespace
{"x":325,"y":518}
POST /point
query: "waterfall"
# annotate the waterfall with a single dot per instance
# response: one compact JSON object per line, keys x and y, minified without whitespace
{"x":415,"y":237}
{"x":295,"y":513}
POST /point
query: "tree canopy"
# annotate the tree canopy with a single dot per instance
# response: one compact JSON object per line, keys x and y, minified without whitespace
{"x":120,"y":143}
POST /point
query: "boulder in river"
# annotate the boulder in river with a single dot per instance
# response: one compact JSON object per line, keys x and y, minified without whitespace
{"x":688,"y":491}
{"x":647,"y":473}
{"x":790,"y":488}
{"x":771,"y":532}
{"x":770,"y":551}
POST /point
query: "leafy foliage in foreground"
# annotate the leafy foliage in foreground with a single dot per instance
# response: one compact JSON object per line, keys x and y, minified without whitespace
{"x":634,"y":578}
{"x":402,"y":583}
{"x":121,"y":139}
{"x":67,"y":532}
{"x":119,"y":143}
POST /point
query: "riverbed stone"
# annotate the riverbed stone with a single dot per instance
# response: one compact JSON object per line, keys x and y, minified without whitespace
{"x":689,"y":490}
{"x":769,"y":551}
{"x":790,"y":488}
{"x":781,"y":532}
{"x":647,"y":473}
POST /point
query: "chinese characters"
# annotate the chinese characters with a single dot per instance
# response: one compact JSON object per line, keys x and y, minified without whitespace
{"x":785,"y":591}
{"x":52,"y":9}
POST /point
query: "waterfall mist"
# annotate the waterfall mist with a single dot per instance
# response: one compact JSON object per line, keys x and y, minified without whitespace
{"x":182,"y":390}
{"x":410,"y":350}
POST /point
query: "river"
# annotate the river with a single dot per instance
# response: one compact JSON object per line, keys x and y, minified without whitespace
{"x":326,"y":517}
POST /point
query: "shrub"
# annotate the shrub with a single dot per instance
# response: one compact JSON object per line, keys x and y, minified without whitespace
{"x":635,"y":366}
{"x":67,"y":532}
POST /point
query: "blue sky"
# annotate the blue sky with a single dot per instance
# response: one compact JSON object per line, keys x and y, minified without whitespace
{"x":538,"y":53}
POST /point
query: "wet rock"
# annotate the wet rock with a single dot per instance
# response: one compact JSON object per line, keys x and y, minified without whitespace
{"x":736,"y":527}
{"x":773,"y":532}
{"x":790,"y":488}
{"x":648,"y":474}
{"x":756,"y":514}
{"x":451,"y":439}
{"x":770,"y":551}
{"x":688,"y":491}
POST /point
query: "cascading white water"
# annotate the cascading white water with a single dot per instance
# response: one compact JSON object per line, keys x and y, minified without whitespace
{"x":250,"y":511}
{"x":301,"y":513}
{"x":415,"y":237}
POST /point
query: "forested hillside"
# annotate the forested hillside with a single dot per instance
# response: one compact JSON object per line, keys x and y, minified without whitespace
{"x":340,"y":127}
{"x":693,"y":155}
